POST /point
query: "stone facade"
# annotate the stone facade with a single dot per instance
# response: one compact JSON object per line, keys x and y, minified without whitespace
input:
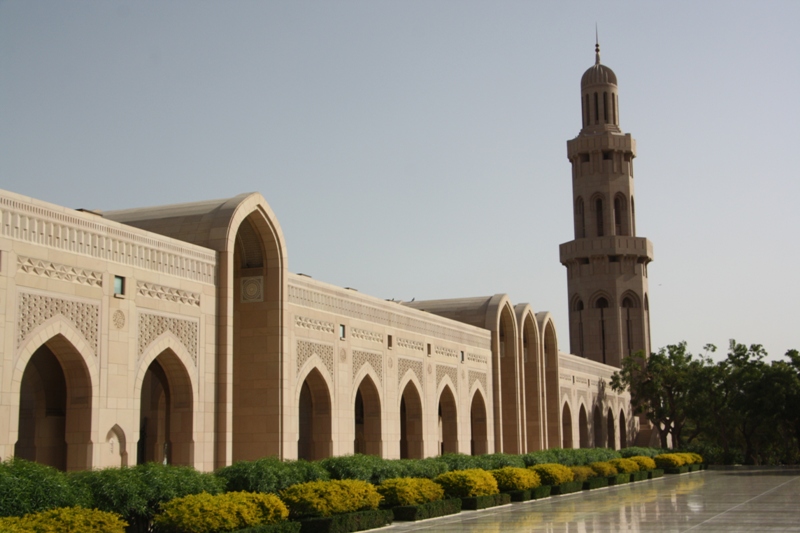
{"x":177,"y":333}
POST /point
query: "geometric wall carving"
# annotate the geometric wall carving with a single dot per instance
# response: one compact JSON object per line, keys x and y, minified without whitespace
{"x":35,"y":309}
{"x":151,"y":326}
{"x":404,"y":365}
{"x":305,"y":350}
{"x":476,"y":358}
{"x":446,"y":352}
{"x":442,"y":371}
{"x":253,"y":289}
{"x":48,"y":269}
{"x":161,"y":292}
{"x":313,"y":323}
{"x":478,"y":376}
{"x":367,"y":335}
{"x":411,"y":344}
{"x":361,"y":358}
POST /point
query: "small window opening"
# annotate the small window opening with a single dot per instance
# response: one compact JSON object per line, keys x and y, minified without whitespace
{"x":607,"y":155}
{"x":584,"y":158}
{"x":119,"y":285}
{"x":613,"y":259}
{"x":462,"y":356}
{"x":429,"y":349}
{"x":389,"y":341}
{"x":583,"y":260}
{"x":342,"y":331}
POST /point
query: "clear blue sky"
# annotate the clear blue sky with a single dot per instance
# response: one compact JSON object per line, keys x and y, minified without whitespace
{"x":417,"y":149}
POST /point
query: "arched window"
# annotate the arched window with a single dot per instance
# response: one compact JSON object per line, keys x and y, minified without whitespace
{"x":598,"y":208}
{"x":596,"y":109}
{"x":627,"y":304}
{"x":605,"y":107}
{"x":586,"y":116}
{"x":602,"y":304}
{"x":620,"y":221}
{"x":614,"y":107}
{"x":580,"y":220}
{"x":579,"y":310}
{"x":633,"y":218}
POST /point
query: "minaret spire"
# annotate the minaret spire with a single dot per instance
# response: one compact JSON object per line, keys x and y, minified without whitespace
{"x":596,"y":46}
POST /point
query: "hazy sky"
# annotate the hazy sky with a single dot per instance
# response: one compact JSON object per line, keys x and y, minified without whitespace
{"x":417,"y":149}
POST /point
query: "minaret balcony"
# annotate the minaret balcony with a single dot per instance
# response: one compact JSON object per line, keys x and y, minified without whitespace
{"x":616,"y":245}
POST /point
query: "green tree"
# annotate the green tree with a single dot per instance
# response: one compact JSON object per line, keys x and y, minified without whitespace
{"x":660,"y":388}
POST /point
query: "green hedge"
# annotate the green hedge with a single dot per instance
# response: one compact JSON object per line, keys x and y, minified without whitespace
{"x":346,"y":523}
{"x":136,"y":493}
{"x":567,"y":488}
{"x":656,"y":473}
{"x":283,"y":527}
{"x":541,"y":492}
{"x":595,"y":483}
{"x":411,"y":513}
{"x":570,"y":457}
{"x":619,"y":479}
{"x":474,"y":503}
{"x":27,"y":487}
{"x":627,"y":453}
{"x":270,"y":474}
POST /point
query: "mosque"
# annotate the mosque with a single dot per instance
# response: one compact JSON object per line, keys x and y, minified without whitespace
{"x":176,"y":333}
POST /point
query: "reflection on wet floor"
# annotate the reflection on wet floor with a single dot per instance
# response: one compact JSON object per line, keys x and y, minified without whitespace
{"x":713,"y":501}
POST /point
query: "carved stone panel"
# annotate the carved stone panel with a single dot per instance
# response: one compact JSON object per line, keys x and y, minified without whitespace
{"x":35,"y":309}
{"x":152,"y":326}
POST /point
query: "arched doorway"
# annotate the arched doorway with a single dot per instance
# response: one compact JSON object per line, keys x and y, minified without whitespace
{"x":478,"y":426}
{"x":597,"y":425}
{"x":368,"y":419}
{"x":532,"y":373}
{"x":551,"y":384}
{"x":166,"y":413}
{"x":315,"y":439}
{"x":566,"y":427}
{"x":623,"y":430}
{"x":583,"y":428}
{"x":448,"y":422}
{"x":55,"y":408}
{"x":611,"y":432}
{"x":257,"y":333}
{"x":509,"y":383}
{"x":411,"y":423}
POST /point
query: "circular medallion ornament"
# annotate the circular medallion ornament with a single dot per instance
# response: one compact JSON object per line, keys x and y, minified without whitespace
{"x":118,"y":318}
{"x":343,"y":355}
{"x":430,"y":369}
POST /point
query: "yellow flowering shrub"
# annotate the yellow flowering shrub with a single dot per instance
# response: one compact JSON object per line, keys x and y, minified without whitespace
{"x":409,"y":491}
{"x":515,"y":478}
{"x":644,"y":462}
{"x":669,"y":460}
{"x":204,"y":513}
{"x":553,"y":474}
{"x":326,"y":498}
{"x":625,"y":466}
{"x":582,"y":473}
{"x":467,"y":483}
{"x":604,"y":469}
{"x":65,"y":519}
{"x":690,"y":458}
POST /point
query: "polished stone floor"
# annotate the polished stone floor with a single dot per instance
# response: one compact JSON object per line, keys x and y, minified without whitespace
{"x":713,"y":501}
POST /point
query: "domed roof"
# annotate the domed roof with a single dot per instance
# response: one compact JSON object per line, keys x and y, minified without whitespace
{"x":598,"y":73}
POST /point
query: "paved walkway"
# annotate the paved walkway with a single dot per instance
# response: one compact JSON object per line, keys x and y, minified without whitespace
{"x":708,"y":501}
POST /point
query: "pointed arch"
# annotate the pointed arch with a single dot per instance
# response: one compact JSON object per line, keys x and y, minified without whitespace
{"x":411,"y":422}
{"x":368,"y":414}
{"x":580,"y":218}
{"x":623,"y":430}
{"x":479,"y":431}
{"x":62,"y":436}
{"x":114,"y":451}
{"x":566,"y":426}
{"x":533,"y":378}
{"x":597,"y":203}
{"x":315,"y":413}
{"x":552,"y":394}
{"x":447,"y":421}
{"x":167,"y":395}
{"x":506,"y":366}
{"x":621,"y":222}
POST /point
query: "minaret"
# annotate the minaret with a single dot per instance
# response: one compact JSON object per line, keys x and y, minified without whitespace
{"x":606,"y":263}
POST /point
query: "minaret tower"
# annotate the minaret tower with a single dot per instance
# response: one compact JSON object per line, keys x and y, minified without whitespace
{"x":606,"y":263}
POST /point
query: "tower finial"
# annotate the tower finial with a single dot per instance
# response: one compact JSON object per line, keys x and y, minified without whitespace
{"x":596,"y":45}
